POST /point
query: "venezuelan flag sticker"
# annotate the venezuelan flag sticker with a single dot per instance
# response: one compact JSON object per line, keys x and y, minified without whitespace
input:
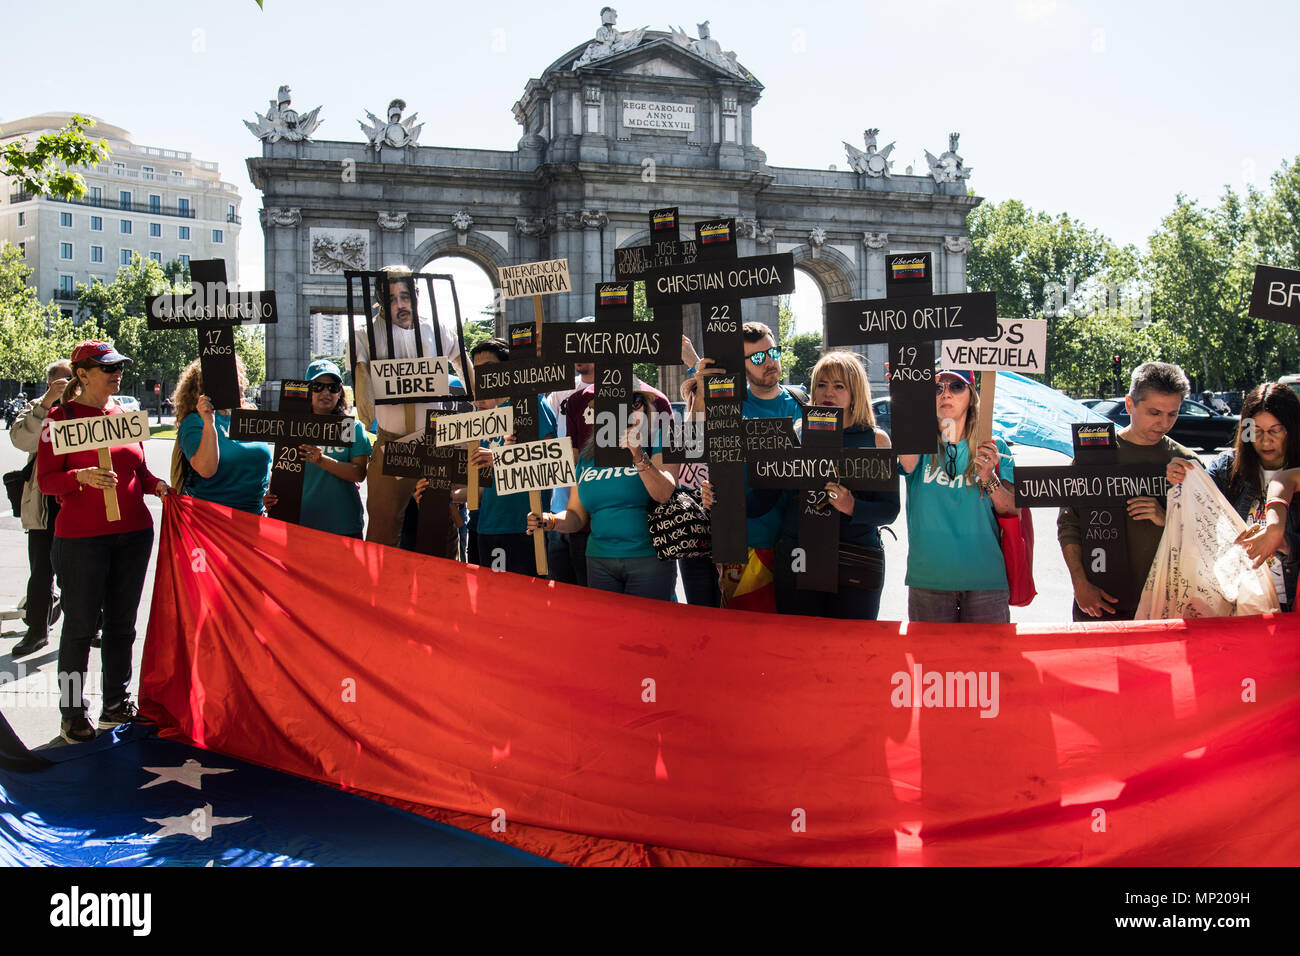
{"x":907,"y":270}
{"x":520,"y":337}
{"x":664,"y":219}
{"x":614,"y":295}
{"x":715,"y":232}
{"x":722,"y":388}
{"x":296,"y":390}
{"x":822,"y":421}
{"x":1094,"y":436}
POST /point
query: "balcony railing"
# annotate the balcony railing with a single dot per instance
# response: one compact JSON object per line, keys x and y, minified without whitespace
{"x":20,"y":197}
{"x":232,"y":217}
{"x":65,"y":295}
{"x":104,"y":202}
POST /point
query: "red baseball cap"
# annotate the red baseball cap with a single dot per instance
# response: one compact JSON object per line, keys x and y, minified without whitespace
{"x":96,"y":351}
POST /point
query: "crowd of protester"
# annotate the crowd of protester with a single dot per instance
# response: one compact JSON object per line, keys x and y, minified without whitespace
{"x":598,"y":533}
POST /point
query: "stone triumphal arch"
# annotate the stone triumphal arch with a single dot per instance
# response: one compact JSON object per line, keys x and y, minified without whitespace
{"x":620,"y":124}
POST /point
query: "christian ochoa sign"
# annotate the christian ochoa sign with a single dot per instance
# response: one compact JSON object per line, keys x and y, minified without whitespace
{"x":100,"y":433}
{"x":214,"y":310}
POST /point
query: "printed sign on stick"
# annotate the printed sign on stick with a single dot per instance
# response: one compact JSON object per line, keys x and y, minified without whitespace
{"x":100,"y":433}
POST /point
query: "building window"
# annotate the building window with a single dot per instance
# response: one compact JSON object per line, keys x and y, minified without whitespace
{"x":96,"y":253}
{"x":155,"y":229}
{"x":230,"y":213}
{"x":177,"y":174}
{"x":22,"y":219}
{"x":119,"y":167}
{"x":185,"y":260}
{"x":183,"y":207}
{"x":155,"y":203}
{"x":124,"y":257}
{"x":65,"y":250}
{"x":97,"y":223}
{"x":124,"y":227}
{"x":65,"y":220}
{"x":66,"y":313}
{"x":22,"y":249}
{"x":182,"y":232}
{"x":146,"y":172}
{"x":156,"y":257}
{"x":96,"y":195}
{"x":65,"y":285}
{"x":124,"y":198}
{"x":216,"y":235}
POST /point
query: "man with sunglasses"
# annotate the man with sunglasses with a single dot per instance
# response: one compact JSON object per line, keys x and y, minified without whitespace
{"x":767,"y":398}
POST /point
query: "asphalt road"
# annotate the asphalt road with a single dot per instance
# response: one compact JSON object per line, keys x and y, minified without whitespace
{"x":29,"y":689}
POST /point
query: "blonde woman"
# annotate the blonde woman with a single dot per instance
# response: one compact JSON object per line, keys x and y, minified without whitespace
{"x":838,"y":379}
{"x":227,"y":472}
{"x":955,"y":569}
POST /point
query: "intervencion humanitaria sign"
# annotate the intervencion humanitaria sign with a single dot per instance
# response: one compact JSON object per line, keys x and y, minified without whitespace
{"x":643,"y":114}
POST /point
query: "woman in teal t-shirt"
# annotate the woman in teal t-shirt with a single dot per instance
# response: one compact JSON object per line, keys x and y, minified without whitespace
{"x":232,"y":473}
{"x":955,"y":569}
{"x":620,"y":554}
{"x":331,"y":496}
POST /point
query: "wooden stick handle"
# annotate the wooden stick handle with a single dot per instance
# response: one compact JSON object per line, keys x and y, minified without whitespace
{"x":539,"y":536}
{"x":110,"y":494}
{"x":471,"y":495}
{"x":988,"y":391}
{"x":539,"y":317}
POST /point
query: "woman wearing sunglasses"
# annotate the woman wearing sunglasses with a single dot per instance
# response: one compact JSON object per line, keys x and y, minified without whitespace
{"x":331,"y":499}
{"x":207,"y":463}
{"x":100,"y":564}
{"x":614,"y":501}
{"x":955,"y":569}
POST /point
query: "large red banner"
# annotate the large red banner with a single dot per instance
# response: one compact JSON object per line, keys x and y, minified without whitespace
{"x":597,"y":728}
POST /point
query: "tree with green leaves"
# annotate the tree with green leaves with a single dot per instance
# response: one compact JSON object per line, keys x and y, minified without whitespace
{"x":32,"y":333}
{"x":47,"y":167}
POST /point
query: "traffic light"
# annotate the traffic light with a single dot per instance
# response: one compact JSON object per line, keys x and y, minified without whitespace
{"x":149,"y":384}
{"x":1114,"y":361}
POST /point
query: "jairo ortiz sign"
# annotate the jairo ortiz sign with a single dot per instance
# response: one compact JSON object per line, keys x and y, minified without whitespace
{"x":645,"y":114}
{"x":722,"y":280}
{"x":474,"y":426}
{"x":533,"y":466}
{"x":409,"y":380}
{"x":919,"y":318}
{"x":1019,"y":345}
{"x":282,"y":429}
{"x":101,"y":431}
{"x":534,"y":278}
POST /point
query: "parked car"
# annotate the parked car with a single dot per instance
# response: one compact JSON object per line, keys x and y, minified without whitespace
{"x":1197,"y":425}
{"x":1089,"y":402}
{"x":883,"y":411}
{"x":128,"y":402}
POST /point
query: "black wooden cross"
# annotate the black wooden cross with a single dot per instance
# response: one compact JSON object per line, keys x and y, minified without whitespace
{"x":805,"y":471}
{"x":294,"y":424}
{"x":214,"y":310}
{"x":445,"y":467}
{"x":718,"y":281}
{"x":910,"y":319}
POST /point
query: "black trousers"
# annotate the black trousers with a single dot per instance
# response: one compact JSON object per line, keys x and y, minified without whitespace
{"x":40,"y":573}
{"x":105,"y":572}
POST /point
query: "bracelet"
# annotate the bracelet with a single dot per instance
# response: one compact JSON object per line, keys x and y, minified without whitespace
{"x":548,"y":518}
{"x":691,"y":371}
{"x":990,"y":486}
{"x":1277,"y":501}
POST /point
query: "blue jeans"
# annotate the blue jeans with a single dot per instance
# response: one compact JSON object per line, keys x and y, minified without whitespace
{"x":951,"y":607}
{"x":566,"y":556}
{"x":640,"y":577}
{"x":103,"y":572}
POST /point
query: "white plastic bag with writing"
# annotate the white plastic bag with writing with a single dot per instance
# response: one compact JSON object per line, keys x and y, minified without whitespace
{"x":1198,"y":571}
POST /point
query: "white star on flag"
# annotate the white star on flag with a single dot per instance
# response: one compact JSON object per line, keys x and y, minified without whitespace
{"x":189,"y":773}
{"x":198,"y":823}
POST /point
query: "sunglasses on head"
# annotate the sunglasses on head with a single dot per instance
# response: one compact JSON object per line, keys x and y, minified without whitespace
{"x":111,"y":369}
{"x":638,"y":402}
{"x":759,"y":357}
{"x":955,"y":386}
{"x":332,"y":387}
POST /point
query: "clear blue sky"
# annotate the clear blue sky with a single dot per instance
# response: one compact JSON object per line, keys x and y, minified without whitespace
{"x":1105,"y":110}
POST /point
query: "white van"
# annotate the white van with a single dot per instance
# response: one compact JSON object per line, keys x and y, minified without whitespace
{"x":1293,"y":381}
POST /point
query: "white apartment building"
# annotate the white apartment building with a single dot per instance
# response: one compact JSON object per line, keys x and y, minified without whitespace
{"x":160,"y":203}
{"x":327,"y":336}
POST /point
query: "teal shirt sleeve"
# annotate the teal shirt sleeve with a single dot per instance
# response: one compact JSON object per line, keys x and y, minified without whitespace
{"x":190,"y":434}
{"x":360,"y":443}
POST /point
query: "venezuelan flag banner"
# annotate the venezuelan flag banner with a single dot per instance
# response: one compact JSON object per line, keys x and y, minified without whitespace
{"x":721,"y":388}
{"x":521,"y":336}
{"x":296,"y":390}
{"x":821,"y":421}
{"x":664,"y":219}
{"x":720,"y":232}
{"x":615,"y":296}
{"x":907,"y":270}
{"x":657,"y":733}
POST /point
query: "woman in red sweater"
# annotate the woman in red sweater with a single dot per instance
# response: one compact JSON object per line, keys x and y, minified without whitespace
{"x":100,"y":564}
